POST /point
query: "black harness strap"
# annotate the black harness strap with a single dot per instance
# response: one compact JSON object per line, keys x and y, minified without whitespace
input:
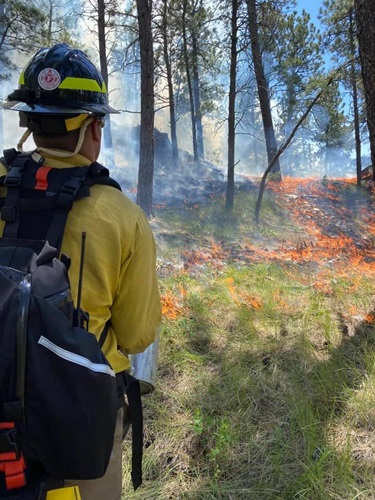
{"x":104,"y":334}
{"x":130,"y":386}
{"x":36,"y":204}
{"x":9,"y":156}
{"x":75,"y":187}
{"x":64,"y":202}
{"x":13,"y":183}
{"x":98,"y":174}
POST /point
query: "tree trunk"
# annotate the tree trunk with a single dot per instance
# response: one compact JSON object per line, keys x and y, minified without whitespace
{"x":189,"y":84}
{"x":255,"y":159}
{"x":146,"y":146}
{"x":290,"y":96}
{"x":263,"y":90}
{"x":171,"y":99}
{"x":283,"y":147}
{"x":232,"y":107}
{"x":49,"y":29}
{"x":197,"y":98}
{"x":353,"y":79}
{"x":107,"y":135}
{"x":365,"y":14}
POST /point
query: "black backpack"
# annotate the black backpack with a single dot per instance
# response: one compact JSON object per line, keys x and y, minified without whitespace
{"x":59,"y":396}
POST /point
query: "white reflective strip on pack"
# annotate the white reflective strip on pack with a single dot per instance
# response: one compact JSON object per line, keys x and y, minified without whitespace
{"x":75,"y":358}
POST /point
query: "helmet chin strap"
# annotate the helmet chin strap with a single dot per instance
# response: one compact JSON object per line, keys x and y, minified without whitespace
{"x":23,"y":139}
{"x":59,"y":154}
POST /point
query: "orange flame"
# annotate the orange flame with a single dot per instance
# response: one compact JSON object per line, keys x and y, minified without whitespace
{"x":170,"y":308}
{"x":326,"y":239}
{"x":370,"y":318}
{"x":240,"y":297}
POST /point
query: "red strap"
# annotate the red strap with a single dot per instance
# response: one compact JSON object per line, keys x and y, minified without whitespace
{"x":6,"y":425}
{"x":5,"y":457}
{"x":41,"y":178}
{"x":14,"y":473}
{"x":12,"y":468}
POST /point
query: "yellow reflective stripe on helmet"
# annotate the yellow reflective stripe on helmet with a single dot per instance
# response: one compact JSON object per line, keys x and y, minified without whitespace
{"x":21,"y":80}
{"x":75,"y":122}
{"x":74,"y":83}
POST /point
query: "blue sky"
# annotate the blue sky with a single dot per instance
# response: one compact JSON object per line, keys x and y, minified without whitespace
{"x":310,"y":6}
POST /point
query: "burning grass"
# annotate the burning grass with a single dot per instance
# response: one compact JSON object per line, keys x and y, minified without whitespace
{"x":267,"y":368}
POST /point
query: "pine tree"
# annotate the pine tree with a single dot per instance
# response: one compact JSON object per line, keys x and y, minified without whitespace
{"x":165,"y":31}
{"x":17,"y":33}
{"x":262,"y":85}
{"x":234,"y":18}
{"x":340,"y":39}
{"x":365,"y":16}
{"x":330,"y":129}
{"x":197,"y":63}
{"x":296,"y":60}
{"x":146,"y":154}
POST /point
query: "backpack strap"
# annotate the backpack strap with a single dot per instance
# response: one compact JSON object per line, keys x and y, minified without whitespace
{"x":64,"y":203}
{"x":10,"y":212}
{"x":94,"y":174}
{"x":97,"y":174}
{"x":103,"y":335}
{"x":15,"y":163}
{"x":9,"y":156}
{"x":130,"y":386}
{"x":77,"y":186}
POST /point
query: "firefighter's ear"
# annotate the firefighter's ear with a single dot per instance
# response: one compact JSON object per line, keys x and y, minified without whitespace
{"x":96,"y":129}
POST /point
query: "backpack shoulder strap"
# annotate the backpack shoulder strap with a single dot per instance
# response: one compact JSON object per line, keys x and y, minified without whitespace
{"x":15,"y":162}
{"x":6,"y":160}
{"x":76,"y":186}
{"x":13,"y":181}
{"x":83,"y":176}
{"x":9,"y":156}
{"x":64,"y":202}
{"x":97,"y":174}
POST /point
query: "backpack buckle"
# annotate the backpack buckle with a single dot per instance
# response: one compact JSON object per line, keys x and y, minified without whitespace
{"x":8,"y":214}
{"x":14,"y":176}
{"x":12,"y":463}
{"x":8,"y":443}
{"x":68,"y":192}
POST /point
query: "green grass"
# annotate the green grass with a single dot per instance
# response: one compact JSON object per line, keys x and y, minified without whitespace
{"x":266,"y":386}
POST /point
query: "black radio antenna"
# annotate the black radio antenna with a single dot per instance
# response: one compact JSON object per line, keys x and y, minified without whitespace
{"x":81,"y":265}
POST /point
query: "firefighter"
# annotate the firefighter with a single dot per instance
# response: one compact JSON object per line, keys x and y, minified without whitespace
{"x":62,"y":102}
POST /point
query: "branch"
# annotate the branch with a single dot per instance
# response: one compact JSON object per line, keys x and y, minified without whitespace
{"x":284,"y":146}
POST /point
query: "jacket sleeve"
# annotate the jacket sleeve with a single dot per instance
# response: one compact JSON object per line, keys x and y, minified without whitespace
{"x":136,"y":310}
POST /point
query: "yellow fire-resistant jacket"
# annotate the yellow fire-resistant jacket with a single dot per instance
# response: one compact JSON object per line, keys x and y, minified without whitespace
{"x":119,"y":277}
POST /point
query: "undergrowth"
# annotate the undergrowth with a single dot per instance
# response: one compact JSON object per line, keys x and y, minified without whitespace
{"x":266,"y":378}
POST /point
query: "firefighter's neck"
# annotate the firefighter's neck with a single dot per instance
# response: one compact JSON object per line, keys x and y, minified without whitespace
{"x":92,"y":141}
{"x":89,"y":144}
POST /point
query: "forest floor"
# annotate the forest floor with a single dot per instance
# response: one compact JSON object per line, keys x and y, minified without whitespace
{"x":266,"y":379}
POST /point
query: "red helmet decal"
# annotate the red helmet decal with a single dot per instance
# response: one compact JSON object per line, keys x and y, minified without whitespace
{"x":49,"y":79}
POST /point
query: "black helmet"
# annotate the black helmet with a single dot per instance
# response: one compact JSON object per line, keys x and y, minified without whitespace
{"x":58,"y":80}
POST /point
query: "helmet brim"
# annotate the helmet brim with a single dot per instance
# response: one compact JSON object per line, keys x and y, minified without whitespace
{"x":56,"y":110}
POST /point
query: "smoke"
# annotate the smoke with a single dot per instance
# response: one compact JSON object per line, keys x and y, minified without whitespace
{"x":186,"y":181}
